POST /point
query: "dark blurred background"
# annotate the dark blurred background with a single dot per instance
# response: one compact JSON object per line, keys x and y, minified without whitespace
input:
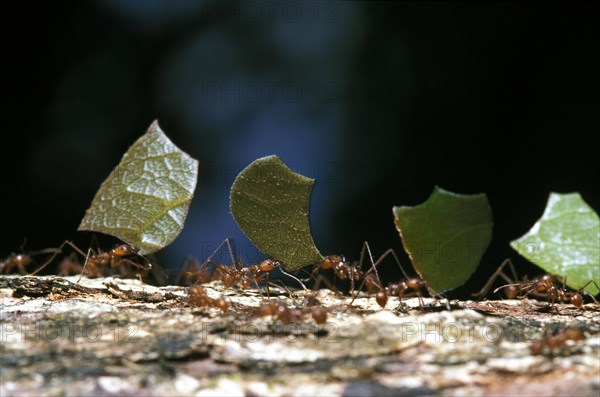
{"x":377,"y":101}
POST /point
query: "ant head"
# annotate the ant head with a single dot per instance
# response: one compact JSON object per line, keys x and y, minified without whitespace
{"x":125,"y":250}
{"x":331,"y":261}
{"x":511,"y":291}
{"x":546,"y":282}
{"x":311,"y":300}
{"x":267,"y":265}
{"x":577,"y":300}
{"x":222,"y":304}
{"x":23,"y":259}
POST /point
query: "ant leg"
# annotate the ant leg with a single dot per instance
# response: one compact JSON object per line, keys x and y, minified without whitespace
{"x":480,"y":294}
{"x":374,"y":265}
{"x":56,"y":252}
{"x":447,"y":301}
{"x":125,"y":260}
{"x":311,"y":275}
{"x":87,"y":257}
{"x":209,"y":260}
{"x":582,"y":289}
{"x":327,"y":283}
{"x":393,"y":253}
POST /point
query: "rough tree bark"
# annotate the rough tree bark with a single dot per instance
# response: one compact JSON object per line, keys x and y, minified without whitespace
{"x":120,"y":337}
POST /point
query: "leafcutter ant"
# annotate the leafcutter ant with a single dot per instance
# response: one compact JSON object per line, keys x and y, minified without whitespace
{"x":549,"y":344}
{"x":280,"y":310}
{"x":543,"y":287}
{"x":22,"y":260}
{"x":198,"y":296}
{"x":351,"y":271}
{"x":96,"y":262}
{"x":547,"y":287}
{"x":236,"y":274}
{"x":192,"y":273}
{"x":403,"y":288}
{"x":19,"y":261}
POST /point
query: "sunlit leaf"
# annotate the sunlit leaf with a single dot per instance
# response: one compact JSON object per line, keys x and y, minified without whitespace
{"x":446,"y":236}
{"x":565,"y":241}
{"x":270,"y":204}
{"x":145,"y":200}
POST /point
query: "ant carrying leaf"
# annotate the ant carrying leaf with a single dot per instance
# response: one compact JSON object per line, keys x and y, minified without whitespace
{"x":408,"y":286}
{"x":553,"y":292}
{"x":95,"y":261}
{"x":236,"y":274}
{"x":544,"y":287}
{"x":143,"y":202}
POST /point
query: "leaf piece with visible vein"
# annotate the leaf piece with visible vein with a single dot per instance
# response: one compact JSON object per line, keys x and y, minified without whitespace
{"x":145,"y":200}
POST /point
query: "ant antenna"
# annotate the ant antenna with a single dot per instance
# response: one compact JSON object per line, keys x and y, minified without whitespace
{"x":84,"y":264}
{"x":22,"y":247}
{"x":292,"y":277}
{"x":229,"y":248}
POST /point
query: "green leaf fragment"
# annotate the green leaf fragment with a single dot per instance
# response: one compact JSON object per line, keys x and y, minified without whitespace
{"x":270,"y":203}
{"x":565,"y":241}
{"x":145,"y":200}
{"x":446,"y":236}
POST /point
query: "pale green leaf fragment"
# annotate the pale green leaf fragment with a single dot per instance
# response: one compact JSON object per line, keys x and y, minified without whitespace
{"x":270,"y":203}
{"x":565,"y":241}
{"x":145,"y":199}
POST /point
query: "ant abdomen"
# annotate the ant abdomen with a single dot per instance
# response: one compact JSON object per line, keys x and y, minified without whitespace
{"x":319,"y":314}
{"x":381,"y":298}
{"x":577,"y":300}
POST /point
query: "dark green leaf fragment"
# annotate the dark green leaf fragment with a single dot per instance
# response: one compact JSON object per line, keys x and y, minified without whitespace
{"x":446,"y":236}
{"x":270,"y":203}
